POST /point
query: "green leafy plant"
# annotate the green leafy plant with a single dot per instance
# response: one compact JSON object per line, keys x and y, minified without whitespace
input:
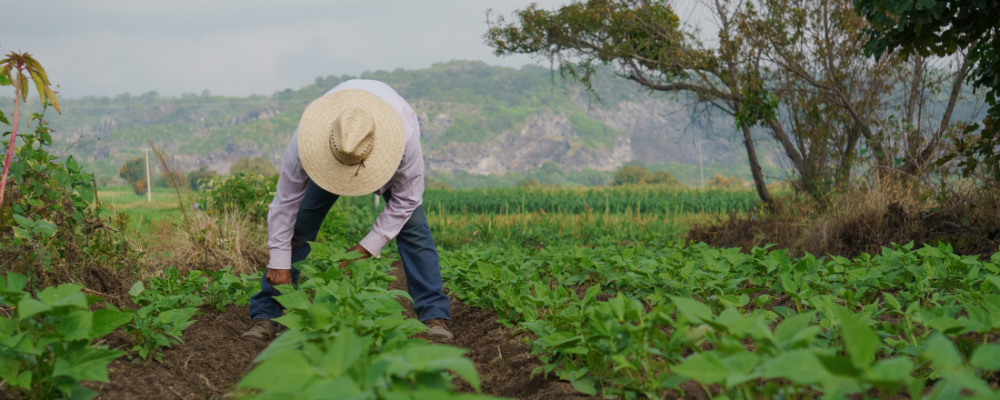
{"x":248,"y":193}
{"x":887,"y":324}
{"x":134,"y":172}
{"x":46,"y":348}
{"x":347,"y":338}
{"x":48,"y":222}
{"x":159,"y":322}
{"x":15,"y":70}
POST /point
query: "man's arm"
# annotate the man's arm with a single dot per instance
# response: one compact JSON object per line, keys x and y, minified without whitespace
{"x":284,"y":208}
{"x":407,"y":194}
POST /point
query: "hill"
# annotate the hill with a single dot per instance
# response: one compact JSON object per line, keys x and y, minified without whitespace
{"x":475,"y":119}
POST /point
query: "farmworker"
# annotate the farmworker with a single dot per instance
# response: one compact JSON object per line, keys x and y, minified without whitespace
{"x":360,"y":138}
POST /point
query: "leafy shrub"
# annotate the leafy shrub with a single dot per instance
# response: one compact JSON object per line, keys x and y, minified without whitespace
{"x":663,"y":178}
{"x":528,"y":183}
{"x":134,"y":172}
{"x":248,"y":193}
{"x":631,"y":175}
{"x":165,"y":180}
{"x":49,"y":222}
{"x":722,"y":182}
{"x":256,"y":165}
{"x":45,"y":347}
{"x":436,"y":184}
{"x":198,"y":178}
{"x":638,"y":175}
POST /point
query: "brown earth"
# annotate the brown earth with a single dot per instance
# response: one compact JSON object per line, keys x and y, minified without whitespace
{"x":213,"y":358}
{"x":208,"y":365}
{"x":501,"y":356}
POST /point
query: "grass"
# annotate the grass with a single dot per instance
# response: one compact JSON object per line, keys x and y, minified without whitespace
{"x":454,"y":229}
{"x":144,"y":214}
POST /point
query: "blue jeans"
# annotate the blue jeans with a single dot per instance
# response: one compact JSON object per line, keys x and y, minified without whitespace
{"x":416,"y":248}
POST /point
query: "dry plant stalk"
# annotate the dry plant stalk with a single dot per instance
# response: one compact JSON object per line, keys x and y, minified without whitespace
{"x":229,"y":238}
{"x":205,"y":241}
{"x":168,"y":163}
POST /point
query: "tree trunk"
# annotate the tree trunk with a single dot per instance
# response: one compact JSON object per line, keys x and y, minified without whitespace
{"x":758,"y":176}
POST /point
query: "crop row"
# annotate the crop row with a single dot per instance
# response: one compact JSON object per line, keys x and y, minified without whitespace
{"x":637,"y":321}
{"x":347,"y":339}
{"x":47,"y":338}
{"x":658,"y":200}
{"x":347,"y":336}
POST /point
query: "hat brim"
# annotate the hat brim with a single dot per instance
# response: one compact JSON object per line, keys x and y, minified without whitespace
{"x":314,"y":143}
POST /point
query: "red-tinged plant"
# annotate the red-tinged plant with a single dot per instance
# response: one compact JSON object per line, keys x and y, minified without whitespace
{"x":15,"y":70}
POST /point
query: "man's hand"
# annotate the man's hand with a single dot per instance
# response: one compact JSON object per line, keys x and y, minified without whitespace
{"x":277,"y":277}
{"x":361,"y":250}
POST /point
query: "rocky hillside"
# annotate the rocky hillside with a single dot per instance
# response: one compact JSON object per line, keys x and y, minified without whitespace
{"x":474,"y":118}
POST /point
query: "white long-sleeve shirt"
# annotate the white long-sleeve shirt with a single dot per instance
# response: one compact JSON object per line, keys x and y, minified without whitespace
{"x":406,"y":185}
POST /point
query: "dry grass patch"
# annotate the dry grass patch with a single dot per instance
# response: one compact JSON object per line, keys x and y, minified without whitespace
{"x":210,"y":242}
{"x":864,"y":221}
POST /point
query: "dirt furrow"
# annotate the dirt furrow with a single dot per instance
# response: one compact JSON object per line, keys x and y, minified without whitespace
{"x":502,"y":358}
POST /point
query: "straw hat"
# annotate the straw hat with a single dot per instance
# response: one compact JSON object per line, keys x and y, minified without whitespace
{"x":351,"y":142}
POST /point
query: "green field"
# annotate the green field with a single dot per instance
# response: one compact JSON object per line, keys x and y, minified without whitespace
{"x":608,"y":299}
{"x":143,"y":212}
{"x":638,"y":199}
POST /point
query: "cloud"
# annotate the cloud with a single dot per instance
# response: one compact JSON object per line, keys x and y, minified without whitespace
{"x":106,"y":47}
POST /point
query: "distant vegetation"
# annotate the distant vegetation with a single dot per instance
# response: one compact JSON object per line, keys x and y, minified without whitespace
{"x":165,"y":180}
{"x":482,"y":101}
{"x":637,"y":199}
{"x":639,"y":175}
{"x":197,"y":179}
{"x":134,"y":173}
{"x":256,"y":165}
{"x":550,"y":174}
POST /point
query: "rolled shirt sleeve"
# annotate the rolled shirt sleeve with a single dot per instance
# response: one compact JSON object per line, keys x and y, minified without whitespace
{"x":407,"y":188}
{"x":284,"y":208}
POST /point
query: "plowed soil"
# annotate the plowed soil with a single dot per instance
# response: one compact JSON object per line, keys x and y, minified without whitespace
{"x":502,"y":358}
{"x":213,"y":358}
{"x":208,"y":365}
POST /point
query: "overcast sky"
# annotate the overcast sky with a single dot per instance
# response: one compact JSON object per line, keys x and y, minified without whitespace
{"x":241,"y":47}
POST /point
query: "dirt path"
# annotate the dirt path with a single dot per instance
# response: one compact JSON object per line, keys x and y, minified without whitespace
{"x":208,"y":365}
{"x":477,"y":330}
{"x":213,"y":358}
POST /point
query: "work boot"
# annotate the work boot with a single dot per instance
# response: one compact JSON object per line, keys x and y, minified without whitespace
{"x":439,"y":329}
{"x":261,"y":331}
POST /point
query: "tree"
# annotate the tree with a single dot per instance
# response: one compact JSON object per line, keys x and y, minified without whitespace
{"x":528,"y":183}
{"x":946,"y":27}
{"x":834,"y":96}
{"x":134,"y":172}
{"x":15,"y":70}
{"x":644,"y":41}
{"x":792,"y":67}
{"x":631,"y":175}
{"x":198,"y":178}
{"x":165,"y":180}
{"x":663,"y":178}
{"x":257,"y":165}
{"x":720,"y":182}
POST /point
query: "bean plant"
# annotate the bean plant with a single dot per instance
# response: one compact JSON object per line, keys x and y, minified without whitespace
{"x":640,"y":321}
{"x":348,"y":339}
{"x":46,"y":342}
